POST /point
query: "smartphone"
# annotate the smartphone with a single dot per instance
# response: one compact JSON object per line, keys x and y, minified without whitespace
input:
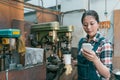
{"x":87,"y":46}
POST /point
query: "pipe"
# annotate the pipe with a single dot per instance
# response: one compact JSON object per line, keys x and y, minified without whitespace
{"x":78,"y":10}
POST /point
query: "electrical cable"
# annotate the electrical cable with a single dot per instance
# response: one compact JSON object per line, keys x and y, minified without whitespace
{"x":42,"y":11}
{"x":88,"y":4}
{"x":106,"y":9}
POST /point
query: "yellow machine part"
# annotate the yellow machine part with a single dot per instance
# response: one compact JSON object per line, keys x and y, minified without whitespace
{"x":1,"y":47}
{"x":21,"y":46}
{"x":15,"y":32}
{"x":5,"y":41}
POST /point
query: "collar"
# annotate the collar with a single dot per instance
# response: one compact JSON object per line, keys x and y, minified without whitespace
{"x":96,"y":37}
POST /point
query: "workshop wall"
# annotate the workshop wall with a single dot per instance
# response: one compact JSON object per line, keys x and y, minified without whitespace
{"x":10,"y":10}
{"x":47,"y":16}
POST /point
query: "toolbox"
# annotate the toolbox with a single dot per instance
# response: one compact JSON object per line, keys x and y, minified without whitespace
{"x":10,"y":33}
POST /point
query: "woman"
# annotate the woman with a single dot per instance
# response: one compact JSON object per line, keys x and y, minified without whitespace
{"x":94,"y":64}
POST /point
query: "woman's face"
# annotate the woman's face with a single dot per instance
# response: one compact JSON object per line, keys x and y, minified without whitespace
{"x":90,"y":26}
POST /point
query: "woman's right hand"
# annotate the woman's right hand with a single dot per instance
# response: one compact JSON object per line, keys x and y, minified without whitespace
{"x":90,"y":55}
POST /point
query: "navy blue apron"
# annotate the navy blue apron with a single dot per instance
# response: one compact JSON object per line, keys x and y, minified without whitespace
{"x":86,"y":69}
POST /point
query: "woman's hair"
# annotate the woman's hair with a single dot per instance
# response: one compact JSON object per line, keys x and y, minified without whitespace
{"x":90,"y":13}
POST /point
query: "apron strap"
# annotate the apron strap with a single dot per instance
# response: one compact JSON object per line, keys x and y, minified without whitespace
{"x":97,"y":44}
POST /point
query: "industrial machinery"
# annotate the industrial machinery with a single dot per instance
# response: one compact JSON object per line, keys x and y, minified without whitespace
{"x":44,"y":35}
{"x":8,"y":46}
{"x":55,"y":40}
{"x":65,"y":38}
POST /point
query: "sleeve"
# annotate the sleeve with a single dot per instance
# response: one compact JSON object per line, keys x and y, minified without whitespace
{"x":106,"y":55}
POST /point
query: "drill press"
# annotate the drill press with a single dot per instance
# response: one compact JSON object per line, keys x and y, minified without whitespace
{"x":44,"y":35}
{"x":53,"y":38}
{"x":65,"y":38}
{"x":8,"y":44}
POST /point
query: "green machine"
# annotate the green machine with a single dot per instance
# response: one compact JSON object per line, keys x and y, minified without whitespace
{"x":65,"y":34}
{"x":51,"y":33}
{"x":44,"y":33}
{"x":8,"y":44}
{"x":65,"y":38}
{"x":53,"y":38}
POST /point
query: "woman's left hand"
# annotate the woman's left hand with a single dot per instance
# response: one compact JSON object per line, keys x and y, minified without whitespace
{"x":89,"y":54}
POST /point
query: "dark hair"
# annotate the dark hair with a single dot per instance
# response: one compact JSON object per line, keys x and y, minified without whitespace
{"x":90,"y":13}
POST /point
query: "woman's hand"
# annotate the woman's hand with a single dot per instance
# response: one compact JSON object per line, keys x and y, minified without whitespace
{"x":89,"y":54}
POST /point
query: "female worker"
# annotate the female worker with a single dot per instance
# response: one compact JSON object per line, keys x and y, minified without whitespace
{"x":94,"y":64}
